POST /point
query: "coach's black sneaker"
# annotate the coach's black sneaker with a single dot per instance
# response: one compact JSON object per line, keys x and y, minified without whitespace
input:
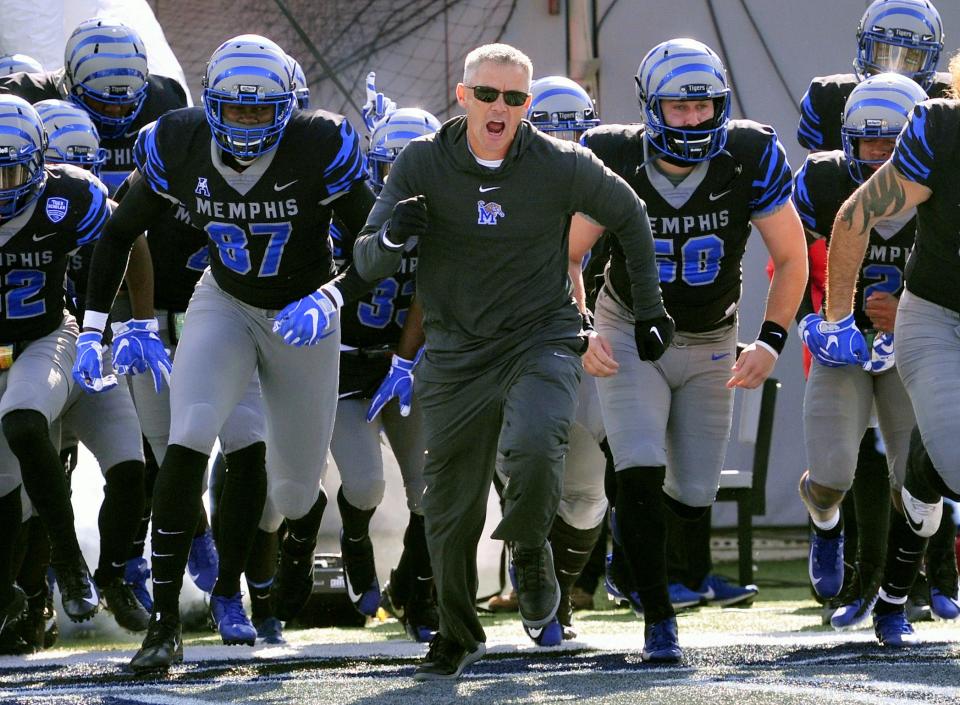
{"x":78,"y":594}
{"x":119,"y":599}
{"x":359,"y":569}
{"x":538,"y":592}
{"x":447,"y":659}
{"x":162,"y":645}
{"x":294,"y":582}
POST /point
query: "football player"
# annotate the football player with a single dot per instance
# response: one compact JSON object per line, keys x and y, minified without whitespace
{"x":902,"y":36}
{"x":261,"y":180}
{"x":116,"y":90}
{"x":105,"y":423}
{"x":18,"y":63}
{"x":839,"y":399}
{"x":706,"y":180}
{"x":906,"y":37}
{"x":46,"y":212}
{"x":918,"y":175}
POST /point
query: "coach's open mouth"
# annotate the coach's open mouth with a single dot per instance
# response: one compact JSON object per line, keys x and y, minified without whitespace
{"x":496,"y":127}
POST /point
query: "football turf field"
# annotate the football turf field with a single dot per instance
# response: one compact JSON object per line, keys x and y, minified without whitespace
{"x":774,"y":652}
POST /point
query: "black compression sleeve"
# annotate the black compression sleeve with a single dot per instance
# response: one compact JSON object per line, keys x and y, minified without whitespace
{"x":139,"y":210}
{"x":354,"y":206}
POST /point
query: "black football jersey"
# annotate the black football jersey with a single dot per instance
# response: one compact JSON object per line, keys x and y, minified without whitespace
{"x":267,"y":227}
{"x":928,"y":153}
{"x":700,"y":227}
{"x":372,"y":324}
{"x":163,"y":94}
{"x":35,"y":247}
{"x":820,"y":188}
{"x":821,"y":108}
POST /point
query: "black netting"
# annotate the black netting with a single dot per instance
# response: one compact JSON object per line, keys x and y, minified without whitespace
{"x":416,"y":47}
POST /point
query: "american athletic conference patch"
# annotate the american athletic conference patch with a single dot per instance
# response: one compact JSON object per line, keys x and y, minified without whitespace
{"x":57,"y":209}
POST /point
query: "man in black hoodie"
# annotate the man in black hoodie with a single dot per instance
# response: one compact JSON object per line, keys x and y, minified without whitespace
{"x":489,"y":200}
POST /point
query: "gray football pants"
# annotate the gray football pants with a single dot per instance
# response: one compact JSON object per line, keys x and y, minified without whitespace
{"x":927,"y":340}
{"x":106,"y":423}
{"x":676,"y":411}
{"x":40,"y":380}
{"x":224,"y":343}
{"x":837,"y":405}
{"x":357,"y":451}
{"x":522,"y":409}
{"x":243,"y":427}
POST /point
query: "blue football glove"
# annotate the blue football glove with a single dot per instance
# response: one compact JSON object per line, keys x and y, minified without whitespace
{"x":398,"y":383}
{"x":137,"y":349}
{"x":834,"y":344}
{"x":881,"y":354}
{"x":378,"y":106}
{"x":309,"y":320}
{"x":88,"y":368}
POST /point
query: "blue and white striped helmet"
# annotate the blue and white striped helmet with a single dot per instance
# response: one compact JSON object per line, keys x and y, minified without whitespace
{"x":19,"y":63}
{"x":22,"y":143}
{"x":561,"y":107}
{"x":72,"y":138}
{"x":391,"y":134}
{"x":684,"y":69}
{"x":105,"y":65}
{"x":877,"y":107}
{"x":904,"y":36}
{"x":248,"y":71}
{"x":301,"y":90}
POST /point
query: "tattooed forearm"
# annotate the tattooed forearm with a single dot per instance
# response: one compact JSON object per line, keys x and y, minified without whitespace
{"x":879,"y":197}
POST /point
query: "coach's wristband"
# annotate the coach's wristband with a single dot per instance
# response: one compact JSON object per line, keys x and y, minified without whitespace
{"x":773,"y":337}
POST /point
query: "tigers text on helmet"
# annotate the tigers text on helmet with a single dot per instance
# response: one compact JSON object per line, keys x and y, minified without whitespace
{"x":684,"y":69}
{"x":72,"y":137}
{"x":878,"y":107}
{"x":561,"y":107}
{"x":19,"y":63}
{"x":301,"y":91}
{"x":22,"y":143}
{"x":248,"y":72}
{"x":105,"y":73}
{"x":904,"y":36}
{"x":392,"y":134}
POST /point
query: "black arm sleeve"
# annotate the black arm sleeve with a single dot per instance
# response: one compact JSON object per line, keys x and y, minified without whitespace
{"x":139,"y":210}
{"x":354,"y":206}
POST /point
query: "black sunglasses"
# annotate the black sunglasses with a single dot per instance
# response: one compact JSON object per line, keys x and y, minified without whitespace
{"x":486,"y":94}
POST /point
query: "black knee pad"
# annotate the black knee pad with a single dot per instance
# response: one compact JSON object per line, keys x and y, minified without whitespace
{"x":922,"y":479}
{"x":639,"y":482}
{"x":23,"y":428}
{"x":684,"y":511}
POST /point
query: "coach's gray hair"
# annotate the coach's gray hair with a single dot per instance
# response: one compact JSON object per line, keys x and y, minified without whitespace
{"x":498,"y":54}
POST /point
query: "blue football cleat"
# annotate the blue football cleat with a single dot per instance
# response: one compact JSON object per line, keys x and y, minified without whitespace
{"x":270,"y":631}
{"x":232,"y":621}
{"x":853,"y":614}
{"x":716,"y":590}
{"x":203,"y":563}
{"x":360,"y":572}
{"x":942,"y":605}
{"x":893,"y":629}
{"x":660,"y":642}
{"x":682,"y":597}
{"x":550,"y":635}
{"x":826,"y":565}
{"x":136,"y":574}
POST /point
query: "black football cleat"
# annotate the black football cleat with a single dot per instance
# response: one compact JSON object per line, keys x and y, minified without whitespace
{"x":78,"y":593}
{"x":120,"y":600}
{"x":162,"y":646}
{"x":293,"y":585}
